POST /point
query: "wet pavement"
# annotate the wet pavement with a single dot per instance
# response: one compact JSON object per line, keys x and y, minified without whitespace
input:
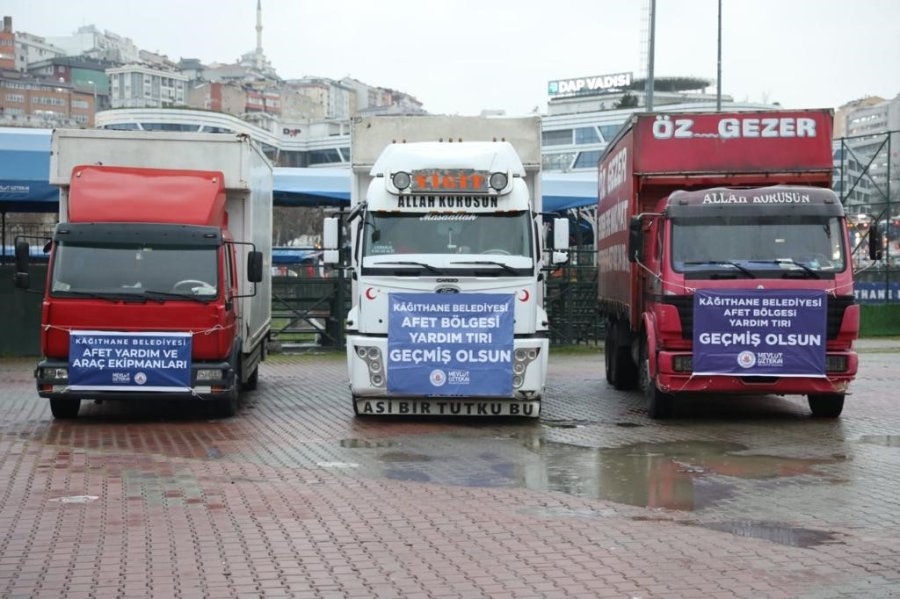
{"x":735,"y":497}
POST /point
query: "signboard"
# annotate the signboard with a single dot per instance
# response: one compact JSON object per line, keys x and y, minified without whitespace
{"x":443,"y":345}
{"x":782,"y":141}
{"x":113,"y":361}
{"x":868,"y":292}
{"x":760,"y":332}
{"x":588,"y":85}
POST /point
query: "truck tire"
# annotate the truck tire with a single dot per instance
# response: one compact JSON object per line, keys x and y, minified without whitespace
{"x":226,"y":406}
{"x":608,"y":346}
{"x":65,"y":408}
{"x":826,"y":405}
{"x":623,"y":372}
{"x":660,"y":406}
{"x":252,"y":380}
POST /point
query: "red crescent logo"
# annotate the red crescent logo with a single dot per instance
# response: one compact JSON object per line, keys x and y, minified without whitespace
{"x":370,"y":293}
{"x":525,"y":296}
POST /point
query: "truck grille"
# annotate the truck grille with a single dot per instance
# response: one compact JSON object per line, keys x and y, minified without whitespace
{"x":685,"y":306}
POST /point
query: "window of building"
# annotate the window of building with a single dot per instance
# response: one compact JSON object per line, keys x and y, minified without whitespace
{"x":562,"y":137}
{"x":557,"y":162}
{"x":15,"y":98}
{"x":328,"y":156}
{"x":609,"y":131}
{"x":586,"y":135}
{"x":80,"y":104}
{"x":587,"y":159}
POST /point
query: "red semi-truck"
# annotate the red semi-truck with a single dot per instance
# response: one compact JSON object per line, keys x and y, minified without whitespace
{"x":157,"y":285}
{"x":724,"y":260}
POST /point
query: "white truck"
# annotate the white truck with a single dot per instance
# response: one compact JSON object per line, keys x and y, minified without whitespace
{"x":158,"y":285}
{"x":447,"y":263}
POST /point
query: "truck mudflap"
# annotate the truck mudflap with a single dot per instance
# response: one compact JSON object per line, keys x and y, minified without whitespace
{"x":445,"y":406}
{"x":52,"y":383}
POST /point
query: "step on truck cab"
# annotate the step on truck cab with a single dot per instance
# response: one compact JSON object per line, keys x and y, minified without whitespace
{"x":447,"y":265}
{"x":724,"y":260}
{"x":158,"y":285}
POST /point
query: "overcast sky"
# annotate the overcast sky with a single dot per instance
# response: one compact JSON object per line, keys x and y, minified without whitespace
{"x":463,"y":56}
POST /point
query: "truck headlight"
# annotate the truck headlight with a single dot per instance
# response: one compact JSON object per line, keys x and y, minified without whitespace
{"x":836,"y":363}
{"x":683,"y":363}
{"x":59,"y":374}
{"x":498,"y":181}
{"x":371,"y":355}
{"x":401,"y":180}
{"x":523,"y":357}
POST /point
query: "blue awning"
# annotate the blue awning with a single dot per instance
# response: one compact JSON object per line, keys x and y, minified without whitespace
{"x":25,"y":170}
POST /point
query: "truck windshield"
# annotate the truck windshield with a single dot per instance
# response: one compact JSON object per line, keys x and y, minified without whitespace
{"x":806,"y":245}
{"x":153,"y":271}
{"x":490,"y":234}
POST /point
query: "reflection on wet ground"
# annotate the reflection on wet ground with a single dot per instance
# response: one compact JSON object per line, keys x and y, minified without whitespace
{"x":884,"y":440}
{"x":775,"y":531}
{"x":677,"y":475}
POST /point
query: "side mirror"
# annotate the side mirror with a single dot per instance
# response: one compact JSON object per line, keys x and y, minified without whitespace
{"x":21,"y":278}
{"x":635,"y":240}
{"x":560,"y":234}
{"x":330,"y":234}
{"x":876,"y":245}
{"x":254,"y":266}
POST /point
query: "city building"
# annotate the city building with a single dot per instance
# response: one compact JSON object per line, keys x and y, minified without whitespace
{"x":102,"y":45}
{"x":81,"y":72}
{"x":142,"y":86}
{"x":30,"y":101}
{"x":31,"y":49}
{"x":7,"y":45}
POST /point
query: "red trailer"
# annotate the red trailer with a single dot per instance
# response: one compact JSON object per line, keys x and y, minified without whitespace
{"x":724,"y":262}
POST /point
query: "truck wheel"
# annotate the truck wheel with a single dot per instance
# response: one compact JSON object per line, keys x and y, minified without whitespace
{"x":607,"y":356}
{"x":253,"y":380}
{"x":65,"y":408}
{"x":660,"y":406}
{"x":826,"y":405}
{"x":227,"y":405}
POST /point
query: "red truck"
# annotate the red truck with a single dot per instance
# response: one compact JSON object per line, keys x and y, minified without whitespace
{"x":724,"y":260}
{"x":157,"y":286}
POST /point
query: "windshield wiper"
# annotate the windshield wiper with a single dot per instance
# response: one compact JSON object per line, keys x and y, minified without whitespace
{"x":110,"y":297}
{"x":181,"y":296}
{"x":792,"y":262}
{"x":410,"y":263}
{"x":726,"y":262}
{"x":505,"y":267}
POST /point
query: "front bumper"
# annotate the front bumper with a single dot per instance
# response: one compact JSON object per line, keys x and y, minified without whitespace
{"x":671,"y":381}
{"x":368,"y":369}
{"x":51,"y":387}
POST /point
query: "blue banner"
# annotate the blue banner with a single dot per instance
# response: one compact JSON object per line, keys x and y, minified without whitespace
{"x":868,"y":292}
{"x":760,"y":332}
{"x":113,"y":361}
{"x":450,"y":345}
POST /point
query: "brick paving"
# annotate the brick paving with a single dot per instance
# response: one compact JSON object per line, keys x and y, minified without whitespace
{"x":294,"y":497}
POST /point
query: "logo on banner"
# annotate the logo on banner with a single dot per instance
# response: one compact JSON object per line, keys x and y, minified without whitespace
{"x":437,"y":377}
{"x":746,"y":359}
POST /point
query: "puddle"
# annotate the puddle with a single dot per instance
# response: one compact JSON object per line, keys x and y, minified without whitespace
{"x":676,"y":475}
{"x":775,"y":532}
{"x":367,"y":443}
{"x":566,"y":423}
{"x":883,"y":440}
{"x":404,"y":456}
